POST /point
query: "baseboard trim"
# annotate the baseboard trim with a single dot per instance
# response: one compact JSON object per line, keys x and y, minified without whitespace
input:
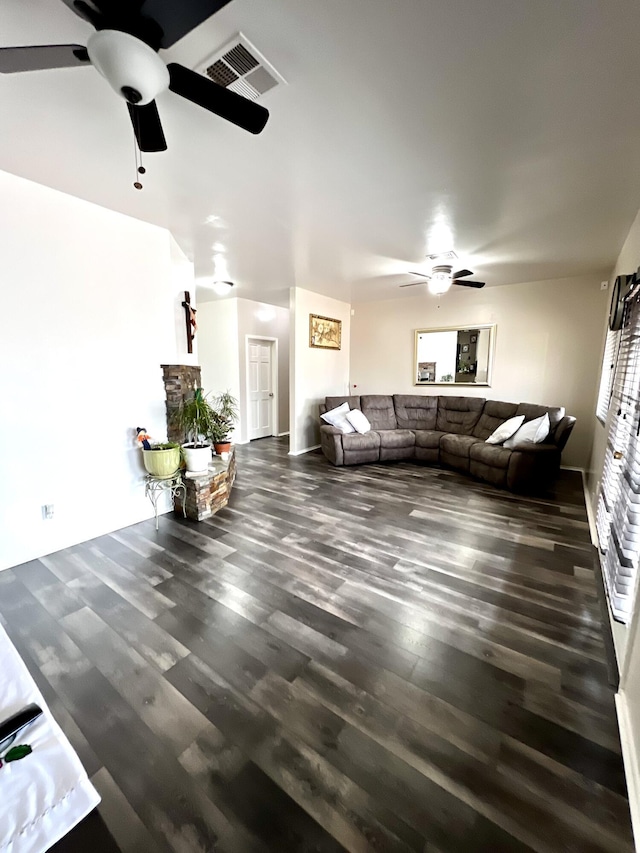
{"x":306,"y":450}
{"x":611,"y":658}
{"x":282,"y":434}
{"x":631,"y":758}
{"x":588,"y":499}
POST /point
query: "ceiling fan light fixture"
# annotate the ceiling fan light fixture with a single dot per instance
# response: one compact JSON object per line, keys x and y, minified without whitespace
{"x":439,"y":283}
{"x":222,"y":288}
{"x":132,"y":68}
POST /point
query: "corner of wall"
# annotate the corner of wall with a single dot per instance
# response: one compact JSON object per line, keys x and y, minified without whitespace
{"x":315,"y":373}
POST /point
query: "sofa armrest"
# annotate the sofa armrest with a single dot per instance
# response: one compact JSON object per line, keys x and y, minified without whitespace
{"x":331,"y":443}
{"x":563,"y":431}
{"x":534,"y":468}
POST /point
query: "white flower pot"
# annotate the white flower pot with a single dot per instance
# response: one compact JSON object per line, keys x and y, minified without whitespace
{"x":197,"y":458}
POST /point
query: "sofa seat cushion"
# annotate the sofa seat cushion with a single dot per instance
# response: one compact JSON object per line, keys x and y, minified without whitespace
{"x":457,"y":445}
{"x":494,"y":414}
{"x":490,"y":454}
{"x":429,"y":438}
{"x":458,"y":414}
{"x":357,"y":441}
{"x":379,"y":411}
{"x":396,"y":438}
{"x":415,"y":411}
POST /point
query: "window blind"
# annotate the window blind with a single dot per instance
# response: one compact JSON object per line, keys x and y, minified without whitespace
{"x":607,"y":374}
{"x":618,"y":512}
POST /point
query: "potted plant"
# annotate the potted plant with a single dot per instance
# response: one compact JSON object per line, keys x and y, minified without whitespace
{"x":161,"y":459}
{"x":195,"y":417}
{"x":225,"y":411}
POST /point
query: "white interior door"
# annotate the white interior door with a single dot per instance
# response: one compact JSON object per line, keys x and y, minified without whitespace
{"x":260,"y":355}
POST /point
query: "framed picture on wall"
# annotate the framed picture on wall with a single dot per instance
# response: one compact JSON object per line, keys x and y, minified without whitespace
{"x":324,"y":332}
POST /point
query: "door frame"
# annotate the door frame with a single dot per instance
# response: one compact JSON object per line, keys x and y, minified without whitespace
{"x":274,"y":380}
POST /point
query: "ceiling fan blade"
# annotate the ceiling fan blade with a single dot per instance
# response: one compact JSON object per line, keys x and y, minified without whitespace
{"x":41,"y":57}
{"x":205,"y":93}
{"x":412,"y":284}
{"x":88,"y":10}
{"x":147,"y":127}
{"x":178,"y":19}
{"x":469,"y":283}
{"x":422,"y":274}
{"x":461,"y":274}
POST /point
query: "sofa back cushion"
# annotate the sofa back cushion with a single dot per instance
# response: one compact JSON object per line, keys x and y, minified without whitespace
{"x":334,"y":402}
{"x":495,"y":412}
{"x":379,"y":411}
{"x":531,"y":411}
{"x":415,"y":411}
{"x":458,"y":415}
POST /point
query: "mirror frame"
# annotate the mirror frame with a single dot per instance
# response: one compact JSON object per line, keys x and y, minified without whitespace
{"x":465,"y":328}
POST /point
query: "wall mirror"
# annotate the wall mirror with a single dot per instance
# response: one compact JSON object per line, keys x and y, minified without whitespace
{"x":454,"y":356}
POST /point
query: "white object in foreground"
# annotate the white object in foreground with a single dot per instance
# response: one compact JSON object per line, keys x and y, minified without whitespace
{"x":46,"y":794}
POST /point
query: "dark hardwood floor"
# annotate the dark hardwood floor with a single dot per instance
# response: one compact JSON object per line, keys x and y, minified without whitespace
{"x":387,"y":658}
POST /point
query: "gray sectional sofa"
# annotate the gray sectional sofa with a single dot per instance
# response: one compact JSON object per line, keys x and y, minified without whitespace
{"x":449,"y":431}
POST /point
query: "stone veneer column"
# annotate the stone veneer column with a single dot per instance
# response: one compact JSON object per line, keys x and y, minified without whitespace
{"x":207,"y":493}
{"x":179,"y":383}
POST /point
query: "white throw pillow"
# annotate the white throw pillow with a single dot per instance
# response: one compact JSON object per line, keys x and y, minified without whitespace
{"x":359,"y":420}
{"x":532,"y":432}
{"x":338,"y":418}
{"x":505,"y":430}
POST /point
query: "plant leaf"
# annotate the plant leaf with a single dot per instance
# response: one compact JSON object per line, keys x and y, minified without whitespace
{"x":17,"y":752}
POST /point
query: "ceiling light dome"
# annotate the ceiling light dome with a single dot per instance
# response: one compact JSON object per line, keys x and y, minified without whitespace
{"x":132,"y":68}
{"x":440,"y":280}
{"x":222,"y":288}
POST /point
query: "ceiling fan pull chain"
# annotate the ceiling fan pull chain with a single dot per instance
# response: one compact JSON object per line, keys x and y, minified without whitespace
{"x":136,"y":149}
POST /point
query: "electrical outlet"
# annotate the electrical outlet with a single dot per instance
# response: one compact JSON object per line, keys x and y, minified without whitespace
{"x":47,"y":511}
{"x":604,"y":285}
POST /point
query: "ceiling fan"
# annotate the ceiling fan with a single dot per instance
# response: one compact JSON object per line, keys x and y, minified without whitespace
{"x":442,"y":278}
{"x":124,"y":50}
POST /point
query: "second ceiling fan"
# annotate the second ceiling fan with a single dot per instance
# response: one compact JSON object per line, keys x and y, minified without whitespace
{"x":441,"y":279}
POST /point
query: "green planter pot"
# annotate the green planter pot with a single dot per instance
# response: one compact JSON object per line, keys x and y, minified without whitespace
{"x":162,"y":463}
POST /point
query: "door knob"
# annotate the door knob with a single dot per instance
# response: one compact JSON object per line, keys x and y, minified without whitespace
{"x":271,"y":393}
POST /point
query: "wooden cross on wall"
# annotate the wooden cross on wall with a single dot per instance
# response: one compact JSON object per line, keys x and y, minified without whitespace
{"x":190,"y":320}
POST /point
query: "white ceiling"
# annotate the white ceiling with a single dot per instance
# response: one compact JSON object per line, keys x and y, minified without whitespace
{"x":508,"y":130}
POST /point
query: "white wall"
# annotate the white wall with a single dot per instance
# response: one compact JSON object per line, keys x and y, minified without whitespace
{"x":315,"y":373}
{"x":87,"y":315}
{"x":218,"y":347}
{"x":262,"y":320}
{"x":223,"y":326}
{"x":182,"y":278}
{"x":547,"y":345}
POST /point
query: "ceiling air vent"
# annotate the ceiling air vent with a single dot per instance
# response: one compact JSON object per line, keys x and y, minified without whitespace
{"x":443,"y":256}
{"x":240,"y":67}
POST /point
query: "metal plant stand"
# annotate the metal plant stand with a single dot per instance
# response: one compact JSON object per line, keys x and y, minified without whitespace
{"x":156,"y":486}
